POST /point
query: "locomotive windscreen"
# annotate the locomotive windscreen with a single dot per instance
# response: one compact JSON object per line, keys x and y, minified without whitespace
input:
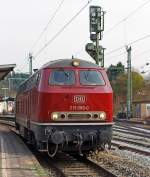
{"x":62,"y":77}
{"x":91,"y":77}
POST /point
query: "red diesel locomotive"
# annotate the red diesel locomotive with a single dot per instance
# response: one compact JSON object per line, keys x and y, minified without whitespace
{"x":66,"y":106}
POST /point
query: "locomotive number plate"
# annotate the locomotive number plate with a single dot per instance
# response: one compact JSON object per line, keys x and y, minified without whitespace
{"x":79,"y":99}
{"x":79,"y":108}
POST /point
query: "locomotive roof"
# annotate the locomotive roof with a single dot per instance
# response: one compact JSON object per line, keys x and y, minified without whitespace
{"x":68,"y":63}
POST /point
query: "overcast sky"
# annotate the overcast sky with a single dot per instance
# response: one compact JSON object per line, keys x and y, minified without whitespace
{"x":22,"y":21}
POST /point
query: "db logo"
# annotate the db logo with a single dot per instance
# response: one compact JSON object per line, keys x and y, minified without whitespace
{"x":79,"y":99}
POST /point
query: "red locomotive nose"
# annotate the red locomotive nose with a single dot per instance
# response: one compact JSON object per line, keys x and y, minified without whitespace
{"x":66,"y":102}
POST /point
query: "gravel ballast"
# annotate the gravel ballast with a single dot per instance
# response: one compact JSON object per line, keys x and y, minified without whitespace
{"x":123,"y":163}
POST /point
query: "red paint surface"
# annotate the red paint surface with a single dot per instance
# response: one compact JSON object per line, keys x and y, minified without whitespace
{"x":38,"y":103}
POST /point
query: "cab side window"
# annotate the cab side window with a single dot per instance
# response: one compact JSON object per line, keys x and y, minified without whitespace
{"x":38,"y":77}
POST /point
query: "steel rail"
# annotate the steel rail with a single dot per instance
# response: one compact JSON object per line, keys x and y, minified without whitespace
{"x":130,"y":148}
{"x":65,"y":164}
{"x":87,"y":161}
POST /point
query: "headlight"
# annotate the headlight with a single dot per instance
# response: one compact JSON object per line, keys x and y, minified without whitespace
{"x":55,"y":116}
{"x":102,"y":116}
{"x":76,"y":63}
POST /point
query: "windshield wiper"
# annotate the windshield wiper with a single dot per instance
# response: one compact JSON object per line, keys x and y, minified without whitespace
{"x":86,"y":74}
{"x":66,"y":74}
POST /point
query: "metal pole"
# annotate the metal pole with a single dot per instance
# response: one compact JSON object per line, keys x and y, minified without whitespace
{"x":129,"y":83}
{"x":97,"y":39}
{"x":30,"y":63}
{"x":97,"y":48}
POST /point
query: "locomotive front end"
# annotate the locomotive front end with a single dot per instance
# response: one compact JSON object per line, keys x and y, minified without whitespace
{"x":77,"y":109}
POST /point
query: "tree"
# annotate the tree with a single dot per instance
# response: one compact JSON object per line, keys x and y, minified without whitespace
{"x":137,"y":81}
{"x":115,"y":70}
{"x":119,"y":85}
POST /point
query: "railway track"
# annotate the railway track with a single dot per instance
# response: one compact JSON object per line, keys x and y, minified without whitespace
{"x":67,"y":165}
{"x":136,"y":128}
{"x":7,"y":117}
{"x":142,"y":124}
{"x":131,"y":132}
{"x":132,"y":139}
{"x":143,"y":132}
{"x":127,"y":146}
{"x":64,"y":165}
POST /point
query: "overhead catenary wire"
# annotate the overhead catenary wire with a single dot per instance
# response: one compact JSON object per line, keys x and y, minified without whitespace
{"x":128,"y":16}
{"x":133,"y":58}
{"x":115,"y":56}
{"x":49,"y":22}
{"x":130,"y":43}
{"x":124,"y":19}
{"x":63,"y":28}
{"x":121,"y":54}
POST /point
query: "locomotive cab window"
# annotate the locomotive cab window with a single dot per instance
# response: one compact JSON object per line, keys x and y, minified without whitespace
{"x":91,"y":77}
{"x":62,"y":77}
{"x":38,"y":77}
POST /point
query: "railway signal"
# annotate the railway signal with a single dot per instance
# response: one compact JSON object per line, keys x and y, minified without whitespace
{"x":96,"y":28}
{"x":96,"y":22}
{"x":91,"y":50}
